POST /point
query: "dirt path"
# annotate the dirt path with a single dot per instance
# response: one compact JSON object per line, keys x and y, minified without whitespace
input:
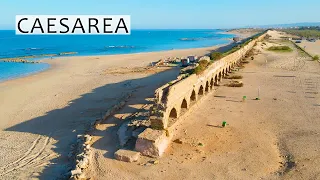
{"x":276,"y":137}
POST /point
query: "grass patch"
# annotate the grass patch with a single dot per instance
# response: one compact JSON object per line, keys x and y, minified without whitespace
{"x":235,"y":84}
{"x":309,"y":33}
{"x":201,"y":67}
{"x":216,"y":56}
{"x":315,"y":58}
{"x":234,"y":77}
{"x":280,"y":49}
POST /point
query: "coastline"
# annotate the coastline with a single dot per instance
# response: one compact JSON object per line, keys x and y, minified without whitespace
{"x":242,"y":33}
{"x":57,"y":104}
{"x":53,"y":64}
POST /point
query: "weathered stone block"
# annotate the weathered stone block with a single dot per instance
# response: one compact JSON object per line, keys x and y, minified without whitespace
{"x":152,"y":142}
{"x":127,"y":155}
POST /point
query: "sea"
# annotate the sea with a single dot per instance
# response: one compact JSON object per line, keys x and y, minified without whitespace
{"x":37,"y":47}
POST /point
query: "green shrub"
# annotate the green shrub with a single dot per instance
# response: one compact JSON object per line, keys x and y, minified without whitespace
{"x":234,"y":77}
{"x":316,"y":57}
{"x":235,"y":84}
{"x":216,"y":55}
{"x":304,"y":32}
{"x":280,"y":48}
{"x":203,"y":64}
{"x":198,"y":70}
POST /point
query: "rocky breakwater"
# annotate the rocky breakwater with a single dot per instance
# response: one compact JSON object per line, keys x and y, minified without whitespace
{"x":18,"y":60}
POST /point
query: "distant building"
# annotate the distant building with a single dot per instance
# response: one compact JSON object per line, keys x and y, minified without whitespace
{"x":192,"y":59}
{"x":185,"y":62}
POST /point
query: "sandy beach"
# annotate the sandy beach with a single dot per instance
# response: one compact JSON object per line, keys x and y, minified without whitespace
{"x":41,"y":114}
{"x":244,"y":33}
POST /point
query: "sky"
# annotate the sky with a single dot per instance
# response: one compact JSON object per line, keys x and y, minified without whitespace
{"x":166,"y":14}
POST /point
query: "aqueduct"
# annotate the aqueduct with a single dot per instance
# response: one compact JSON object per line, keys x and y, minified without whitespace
{"x":176,"y":97}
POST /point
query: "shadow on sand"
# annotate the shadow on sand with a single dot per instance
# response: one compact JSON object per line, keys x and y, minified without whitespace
{"x":63,"y":125}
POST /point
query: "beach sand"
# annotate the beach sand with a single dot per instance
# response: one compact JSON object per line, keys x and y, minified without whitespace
{"x":311,"y":47}
{"x":41,"y":114}
{"x":244,"y":33}
{"x":276,"y":137}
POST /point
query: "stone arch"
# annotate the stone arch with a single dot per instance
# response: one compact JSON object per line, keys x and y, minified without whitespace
{"x":219,"y":77}
{"x":207,"y":87}
{"x":173,"y":117}
{"x":216,"y":81}
{"x":229,"y":68}
{"x":193,"y":96}
{"x":200,"y":91}
{"x":184,"y":104}
{"x":211,"y":83}
{"x":226,"y":71}
{"x":183,"y":107}
{"x":173,"y":113}
{"x":223,"y":73}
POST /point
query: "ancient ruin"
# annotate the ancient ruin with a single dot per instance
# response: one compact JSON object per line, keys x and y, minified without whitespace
{"x":175,"y":98}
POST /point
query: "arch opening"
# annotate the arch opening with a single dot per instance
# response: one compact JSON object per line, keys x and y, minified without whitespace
{"x":225,"y":72}
{"x":193,"y":96}
{"x":184,"y":104}
{"x":172,"y":117}
{"x":173,"y":113}
{"x":207,"y":87}
{"x":216,"y":80}
{"x":200,"y":91}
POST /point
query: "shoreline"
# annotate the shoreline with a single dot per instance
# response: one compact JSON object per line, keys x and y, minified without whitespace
{"x":56,"y":105}
{"x":87,"y":68}
{"x":51,"y":64}
{"x":50,"y":108}
{"x":235,"y":32}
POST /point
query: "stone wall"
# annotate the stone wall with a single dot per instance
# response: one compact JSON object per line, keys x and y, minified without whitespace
{"x":175,"y":98}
